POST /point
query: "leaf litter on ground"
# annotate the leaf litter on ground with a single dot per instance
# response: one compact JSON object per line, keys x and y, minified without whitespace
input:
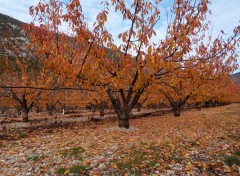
{"x":199,"y":143}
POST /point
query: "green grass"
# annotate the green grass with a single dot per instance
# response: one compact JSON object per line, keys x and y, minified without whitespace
{"x":231,"y":160}
{"x":151,"y":164}
{"x":75,"y":152}
{"x":144,"y":157}
{"x":33,"y":158}
{"x":77,"y":169}
{"x":237,"y":153}
{"x":61,"y":171}
{"x":22,"y":135}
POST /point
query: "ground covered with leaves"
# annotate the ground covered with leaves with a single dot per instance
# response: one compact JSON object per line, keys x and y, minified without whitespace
{"x":205,"y":142}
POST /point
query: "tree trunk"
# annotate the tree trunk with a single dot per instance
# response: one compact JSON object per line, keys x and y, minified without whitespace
{"x":198,"y":106}
{"x":123,"y":108}
{"x":124,"y":123}
{"x":123,"y":120}
{"x":176,"y":111}
{"x":139,"y":109}
{"x":101,"y":112}
{"x":25,"y":115}
{"x":37,"y":110}
{"x":19,"y":112}
{"x":50,"y":113}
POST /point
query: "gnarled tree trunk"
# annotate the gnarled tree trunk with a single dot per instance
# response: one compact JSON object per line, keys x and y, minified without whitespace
{"x":101,"y":112}
{"x":176,"y":111}
{"x":50,"y":112}
{"x":124,"y":106}
{"x":25,"y":115}
{"x":139,"y":106}
{"x":123,"y":120}
{"x":25,"y":106}
{"x":102,"y":107}
{"x":25,"y":110}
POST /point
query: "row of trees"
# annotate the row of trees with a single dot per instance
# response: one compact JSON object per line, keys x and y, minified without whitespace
{"x":187,"y":65}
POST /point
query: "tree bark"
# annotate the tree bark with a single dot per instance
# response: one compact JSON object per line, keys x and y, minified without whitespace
{"x":123,"y":108}
{"x":176,"y":111}
{"x":123,"y":120}
{"x":139,"y":106}
{"x":25,"y":115}
{"x":50,"y":112}
{"x":124,"y":123}
{"x":139,"y":109}
{"x":101,"y":112}
{"x":37,"y":110}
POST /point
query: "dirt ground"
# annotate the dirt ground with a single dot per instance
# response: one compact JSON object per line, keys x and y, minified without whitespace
{"x":205,"y":142}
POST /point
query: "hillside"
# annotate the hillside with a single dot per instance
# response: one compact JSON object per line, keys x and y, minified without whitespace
{"x":236,"y":77}
{"x":12,"y":35}
{"x":13,"y":44}
{"x":10,"y":28}
{"x":8,"y":23}
{"x":13,"y":28}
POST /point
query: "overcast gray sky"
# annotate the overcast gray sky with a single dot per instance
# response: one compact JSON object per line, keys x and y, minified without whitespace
{"x":225,"y":14}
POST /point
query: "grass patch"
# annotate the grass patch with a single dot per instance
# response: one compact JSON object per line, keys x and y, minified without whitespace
{"x":237,"y":153}
{"x":22,"y":135}
{"x":61,"y":171}
{"x":33,"y":158}
{"x":75,"y":152}
{"x":139,"y":158}
{"x":231,"y":160}
{"x":77,"y":169}
{"x":151,"y":164}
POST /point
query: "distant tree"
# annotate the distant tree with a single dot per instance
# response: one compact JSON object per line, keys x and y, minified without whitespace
{"x":24,"y":97}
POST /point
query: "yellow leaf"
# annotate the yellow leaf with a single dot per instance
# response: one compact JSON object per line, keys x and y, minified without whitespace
{"x":114,"y":166}
{"x":227,"y":169}
{"x":188,"y":167}
{"x":67,"y":171}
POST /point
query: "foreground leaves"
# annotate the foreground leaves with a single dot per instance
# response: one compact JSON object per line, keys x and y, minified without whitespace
{"x":200,"y":142}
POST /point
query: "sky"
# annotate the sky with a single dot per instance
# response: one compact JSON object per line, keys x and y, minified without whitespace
{"x":225,"y":15}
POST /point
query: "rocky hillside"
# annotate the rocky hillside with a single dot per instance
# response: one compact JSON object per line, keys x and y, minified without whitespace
{"x":13,"y":43}
{"x":13,"y":37}
{"x":8,"y":23}
{"x":11,"y":33}
{"x":236,"y":77}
